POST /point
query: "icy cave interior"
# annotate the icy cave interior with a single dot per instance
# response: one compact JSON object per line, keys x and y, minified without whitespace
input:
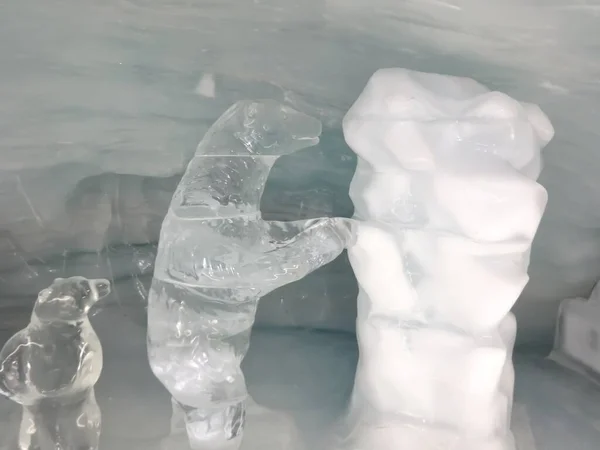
{"x":102,"y":105}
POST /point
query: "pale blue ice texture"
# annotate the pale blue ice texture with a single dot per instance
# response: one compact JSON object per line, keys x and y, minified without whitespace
{"x":99,"y":116}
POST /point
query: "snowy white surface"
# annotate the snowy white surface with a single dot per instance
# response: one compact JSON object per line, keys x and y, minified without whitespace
{"x":101,"y":99}
{"x":446,"y":208}
{"x":437,"y":225}
{"x":306,"y":378}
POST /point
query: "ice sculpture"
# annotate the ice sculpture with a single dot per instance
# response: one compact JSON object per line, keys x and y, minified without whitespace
{"x":217,"y":257}
{"x":51,"y":366}
{"x":577,"y":340}
{"x":447,"y":206}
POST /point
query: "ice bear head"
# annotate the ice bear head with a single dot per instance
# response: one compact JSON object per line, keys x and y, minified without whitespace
{"x":228,"y":174}
{"x":69,"y":299}
{"x":261,"y":128}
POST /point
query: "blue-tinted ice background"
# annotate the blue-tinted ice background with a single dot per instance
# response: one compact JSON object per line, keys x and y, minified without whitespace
{"x":103,"y":103}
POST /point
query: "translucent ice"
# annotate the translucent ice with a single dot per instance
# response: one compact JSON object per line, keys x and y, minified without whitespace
{"x":263,"y":429}
{"x":51,"y":367}
{"x":439,"y":376}
{"x":447,"y":207}
{"x":217,"y":257}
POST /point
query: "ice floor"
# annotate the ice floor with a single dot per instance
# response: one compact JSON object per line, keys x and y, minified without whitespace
{"x":304,"y":377}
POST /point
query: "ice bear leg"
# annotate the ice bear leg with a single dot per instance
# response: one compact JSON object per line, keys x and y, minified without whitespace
{"x":66,"y":424}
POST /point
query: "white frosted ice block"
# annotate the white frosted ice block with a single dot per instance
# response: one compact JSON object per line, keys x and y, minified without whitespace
{"x":488,"y":206}
{"x":508,"y":333}
{"x":448,"y":206}
{"x":461,"y":187}
{"x":471,"y":285}
{"x":438,"y":376}
{"x":404,"y":117}
{"x":388,"y":144}
{"x":436,"y":277}
{"x":378,"y":263}
{"x":382,"y":196}
{"x":403,"y":94}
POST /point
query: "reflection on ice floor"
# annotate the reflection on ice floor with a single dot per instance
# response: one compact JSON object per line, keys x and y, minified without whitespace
{"x":305,"y":378}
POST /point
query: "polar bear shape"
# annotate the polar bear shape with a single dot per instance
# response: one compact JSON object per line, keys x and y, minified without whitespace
{"x":51,"y":366}
{"x":217,"y":257}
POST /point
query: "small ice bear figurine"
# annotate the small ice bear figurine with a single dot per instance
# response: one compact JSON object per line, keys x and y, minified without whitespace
{"x":51,"y":366}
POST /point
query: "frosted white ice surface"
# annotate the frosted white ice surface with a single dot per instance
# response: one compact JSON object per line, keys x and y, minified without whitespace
{"x":461,"y":193}
{"x":438,"y":365}
{"x":309,"y":374}
{"x":447,"y":207}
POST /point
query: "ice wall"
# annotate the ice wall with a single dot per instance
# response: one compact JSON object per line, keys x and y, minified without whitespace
{"x":102,"y":104}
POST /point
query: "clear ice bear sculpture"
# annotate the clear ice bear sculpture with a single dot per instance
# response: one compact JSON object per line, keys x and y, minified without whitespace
{"x":217,"y":257}
{"x":51,"y":366}
{"x":446,"y":208}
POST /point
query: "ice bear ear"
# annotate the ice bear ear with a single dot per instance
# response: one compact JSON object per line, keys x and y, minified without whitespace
{"x":100,"y":288}
{"x":88,"y":292}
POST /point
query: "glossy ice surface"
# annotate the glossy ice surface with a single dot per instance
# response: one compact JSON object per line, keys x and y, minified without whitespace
{"x":217,"y":257}
{"x":51,"y":366}
{"x":104,"y":102}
